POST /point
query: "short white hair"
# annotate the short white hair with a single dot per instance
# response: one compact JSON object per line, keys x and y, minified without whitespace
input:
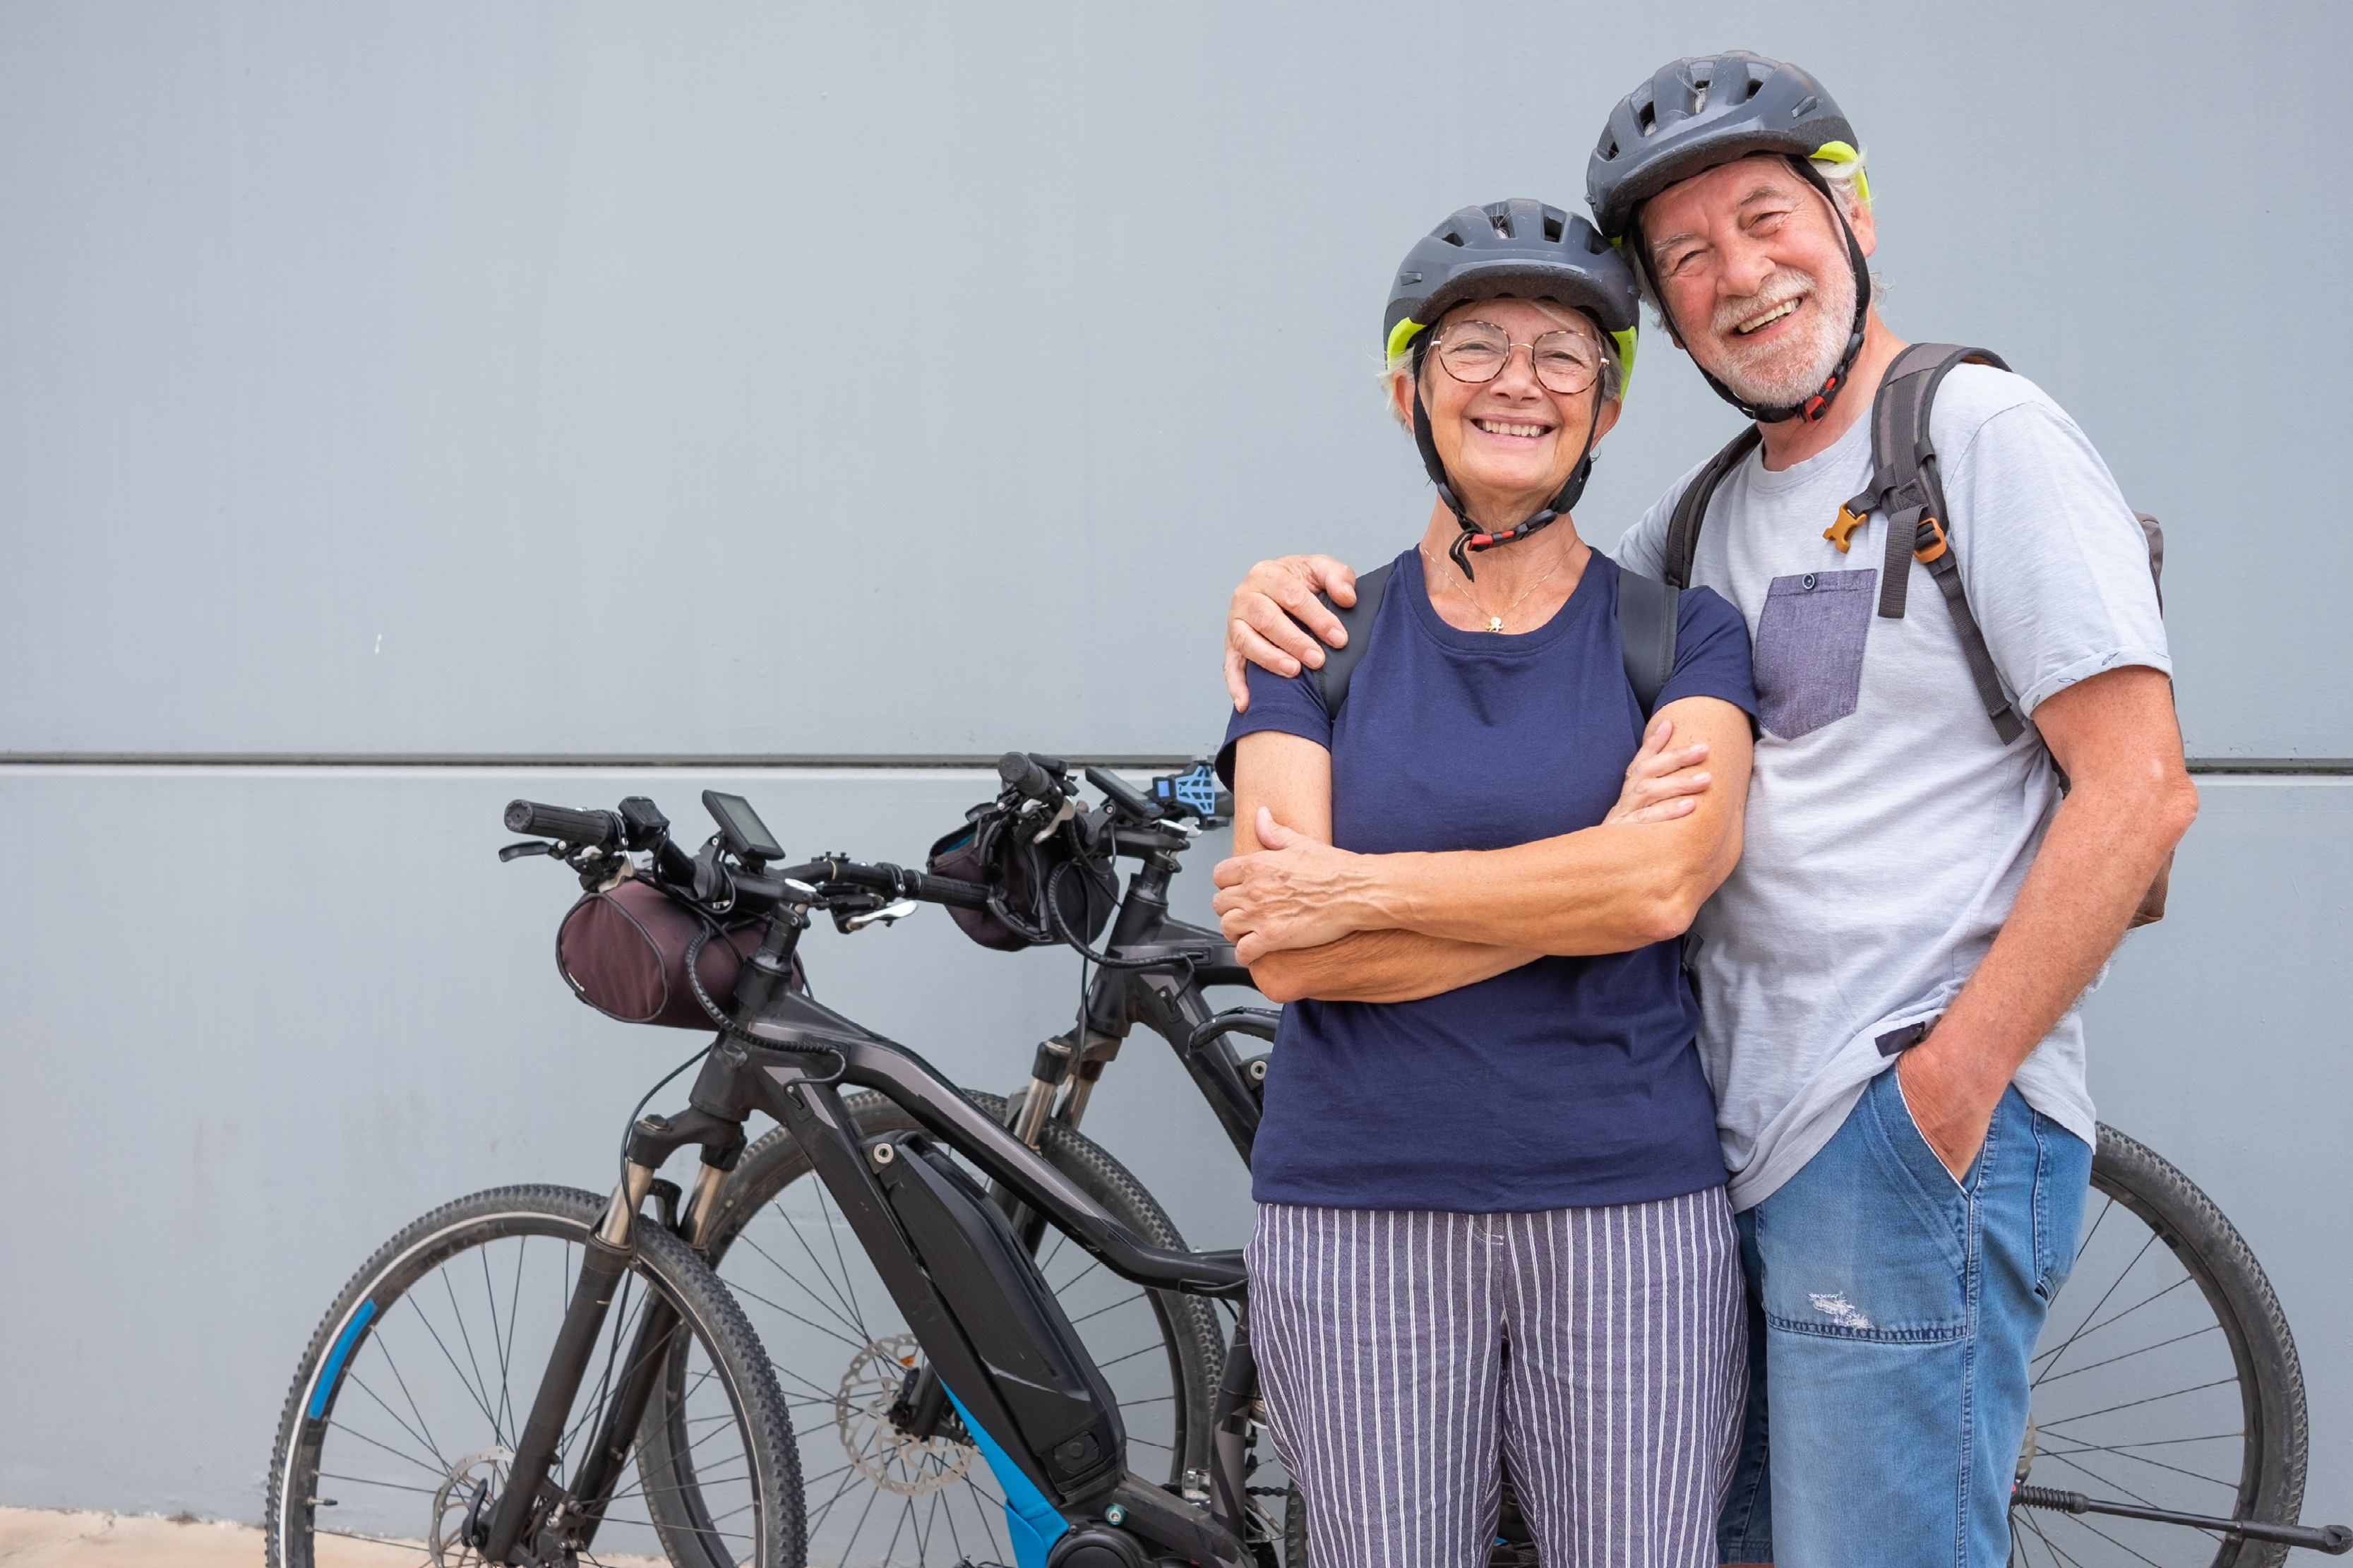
{"x":1613,"y":370}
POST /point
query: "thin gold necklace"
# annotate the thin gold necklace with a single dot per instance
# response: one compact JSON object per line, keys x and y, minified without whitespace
{"x":1494,"y":622}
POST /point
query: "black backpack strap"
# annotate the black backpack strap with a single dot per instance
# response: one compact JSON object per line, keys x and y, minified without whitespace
{"x":1646,"y":634}
{"x":1905,"y":488}
{"x":1691,"y":508}
{"x":1340,"y":663}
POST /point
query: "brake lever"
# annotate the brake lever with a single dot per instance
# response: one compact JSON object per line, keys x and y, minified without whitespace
{"x":528,"y":847}
{"x":897,"y":911}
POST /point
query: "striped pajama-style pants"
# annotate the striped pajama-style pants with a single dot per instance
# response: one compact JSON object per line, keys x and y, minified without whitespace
{"x":1601,"y":1353}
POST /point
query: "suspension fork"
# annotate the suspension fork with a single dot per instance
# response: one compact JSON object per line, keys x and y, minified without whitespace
{"x":645,"y":1369}
{"x":610,"y":1251}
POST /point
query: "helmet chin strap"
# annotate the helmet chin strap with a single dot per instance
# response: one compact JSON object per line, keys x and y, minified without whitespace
{"x":1812,"y":409}
{"x":1473,"y":536}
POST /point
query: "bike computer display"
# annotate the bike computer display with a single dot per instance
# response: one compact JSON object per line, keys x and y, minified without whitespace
{"x":740,"y":827}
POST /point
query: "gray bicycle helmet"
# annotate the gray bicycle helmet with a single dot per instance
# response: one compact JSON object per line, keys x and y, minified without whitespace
{"x":1518,"y":249}
{"x":1696,"y":114}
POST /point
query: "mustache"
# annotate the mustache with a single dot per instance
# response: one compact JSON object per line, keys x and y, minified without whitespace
{"x":1785,"y":284}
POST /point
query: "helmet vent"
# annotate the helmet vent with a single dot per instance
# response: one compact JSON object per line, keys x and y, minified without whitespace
{"x":1753,"y":89}
{"x":1452,"y":237}
{"x":1647,"y":118}
{"x":1502,"y":222}
{"x":1610,"y":153}
{"x":1805,"y":107}
{"x":1552,"y":228}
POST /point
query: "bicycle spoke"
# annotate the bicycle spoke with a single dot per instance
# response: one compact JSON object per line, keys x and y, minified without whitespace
{"x":473,"y":1384}
{"x":437,"y":1463}
{"x":436,"y":1471}
{"x":2114,"y":1286}
{"x":833,"y":1233}
{"x":2139,"y":1459}
{"x":2036,"y":1526}
{"x":2095,"y":1366}
{"x":838,"y":1306}
{"x":425,"y":1430}
{"x":1099,"y":1311}
{"x":2133,"y":1404}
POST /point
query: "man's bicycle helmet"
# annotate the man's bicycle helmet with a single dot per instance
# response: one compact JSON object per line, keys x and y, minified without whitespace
{"x":1699,"y":113}
{"x":1519,"y":250}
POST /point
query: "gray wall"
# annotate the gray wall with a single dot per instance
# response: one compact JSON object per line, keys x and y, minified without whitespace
{"x":800,"y":381}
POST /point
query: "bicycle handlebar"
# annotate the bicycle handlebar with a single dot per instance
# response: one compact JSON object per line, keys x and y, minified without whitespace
{"x":1025,"y":774}
{"x":581,"y":829}
{"x":895,"y":880}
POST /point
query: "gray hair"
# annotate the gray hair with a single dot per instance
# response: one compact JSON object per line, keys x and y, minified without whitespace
{"x":1613,"y":372}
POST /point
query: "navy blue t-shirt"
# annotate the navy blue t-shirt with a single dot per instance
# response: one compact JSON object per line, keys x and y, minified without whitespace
{"x":1566,"y":1082}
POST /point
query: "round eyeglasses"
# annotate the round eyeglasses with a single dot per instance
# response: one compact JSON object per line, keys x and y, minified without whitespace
{"x":1476,"y":352}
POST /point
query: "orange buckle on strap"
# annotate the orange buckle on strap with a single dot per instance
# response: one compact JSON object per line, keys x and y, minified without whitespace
{"x":1926,"y":553}
{"x":1841,"y":533}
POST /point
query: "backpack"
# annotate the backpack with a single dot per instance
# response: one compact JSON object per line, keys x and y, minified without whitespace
{"x":1646,"y":636}
{"x":1905,"y":486}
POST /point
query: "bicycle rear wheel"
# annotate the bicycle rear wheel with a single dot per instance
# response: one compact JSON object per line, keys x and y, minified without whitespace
{"x":414,"y":1389}
{"x":2165,"y":1378}
{"x":875,"y":1493}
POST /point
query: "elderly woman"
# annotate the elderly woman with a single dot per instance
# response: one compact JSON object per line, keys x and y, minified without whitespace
{"x":1491,"y":1216}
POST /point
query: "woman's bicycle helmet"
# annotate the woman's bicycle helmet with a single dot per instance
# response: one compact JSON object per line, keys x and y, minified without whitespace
{"x":1520,"y":249}
{"x":1696,"y":114}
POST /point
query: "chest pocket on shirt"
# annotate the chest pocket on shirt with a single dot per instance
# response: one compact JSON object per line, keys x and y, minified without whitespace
{"x":1810,"y":650}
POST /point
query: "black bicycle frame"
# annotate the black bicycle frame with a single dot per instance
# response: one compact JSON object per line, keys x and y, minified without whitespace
{"x":969,"y":1290}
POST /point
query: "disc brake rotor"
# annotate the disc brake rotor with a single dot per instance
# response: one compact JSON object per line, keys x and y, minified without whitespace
{"x":881,"y":1451}
{"x":462,"y":1500}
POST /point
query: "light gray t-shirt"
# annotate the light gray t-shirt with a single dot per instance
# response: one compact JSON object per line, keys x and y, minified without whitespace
{"x":1888,"y":827}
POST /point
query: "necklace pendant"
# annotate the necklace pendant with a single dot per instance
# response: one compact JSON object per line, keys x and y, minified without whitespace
{"x":1494,"y":623}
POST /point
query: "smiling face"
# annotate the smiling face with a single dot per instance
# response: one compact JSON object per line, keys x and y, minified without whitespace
{"x":1508,"y":444}
{"x":1753,"y":270}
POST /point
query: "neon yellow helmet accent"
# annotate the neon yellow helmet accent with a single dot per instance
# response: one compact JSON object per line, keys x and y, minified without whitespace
{"x":1841,"y":153}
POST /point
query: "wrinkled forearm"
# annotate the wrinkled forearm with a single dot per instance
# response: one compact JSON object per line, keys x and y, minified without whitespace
{"x":1382,"y":966}
{"x":1601,"y":889}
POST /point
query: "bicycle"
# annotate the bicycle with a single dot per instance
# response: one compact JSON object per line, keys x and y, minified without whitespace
{"x":410,"y":1404}
{"x":2169,"y":1423}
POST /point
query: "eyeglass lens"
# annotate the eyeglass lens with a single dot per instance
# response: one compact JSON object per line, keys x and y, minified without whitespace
{"x":1566,"y":362}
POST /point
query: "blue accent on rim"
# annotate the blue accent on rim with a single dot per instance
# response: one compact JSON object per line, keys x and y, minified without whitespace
{"x":343,"y":1342}
{"x":1034,"y":1523}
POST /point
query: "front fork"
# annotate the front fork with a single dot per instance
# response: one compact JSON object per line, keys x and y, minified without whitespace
{"x":611,"y":1250}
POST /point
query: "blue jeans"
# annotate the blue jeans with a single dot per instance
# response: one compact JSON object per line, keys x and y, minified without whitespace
{"x":1892,"y":1314}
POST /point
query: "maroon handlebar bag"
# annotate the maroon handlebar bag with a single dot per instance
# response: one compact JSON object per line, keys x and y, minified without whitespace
{"x":623,"y":951}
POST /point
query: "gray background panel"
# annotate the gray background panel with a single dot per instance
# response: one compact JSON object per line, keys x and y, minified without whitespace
{"x":554,"y":378}
{"x":333,"y":1009}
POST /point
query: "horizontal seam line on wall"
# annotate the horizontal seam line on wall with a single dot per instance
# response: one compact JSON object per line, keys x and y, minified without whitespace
{"x":549,"y":759}
{"x":2288,"y":766}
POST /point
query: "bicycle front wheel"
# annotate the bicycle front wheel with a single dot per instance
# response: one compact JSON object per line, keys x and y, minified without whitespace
{"x":883,"y":1486}
{"x":407,"y":1410}
{"x":2165,"y":1378}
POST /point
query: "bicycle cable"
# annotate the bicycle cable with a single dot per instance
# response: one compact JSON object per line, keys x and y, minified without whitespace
{"x":1062,"y":930}
{"x":729,"y":1026}
{"x":631,"y":1126}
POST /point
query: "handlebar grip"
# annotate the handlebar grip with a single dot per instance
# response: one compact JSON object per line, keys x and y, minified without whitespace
{"x":1022,"y":774}
{"x":947,"y":890}
{"x":581,"y":829}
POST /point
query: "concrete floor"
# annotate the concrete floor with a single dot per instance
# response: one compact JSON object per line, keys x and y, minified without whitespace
{"x":37,"y":1538}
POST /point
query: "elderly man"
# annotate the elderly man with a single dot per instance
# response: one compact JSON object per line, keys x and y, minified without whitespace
{"x":1956,"y":809}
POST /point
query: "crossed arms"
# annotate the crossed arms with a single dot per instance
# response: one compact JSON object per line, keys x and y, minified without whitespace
{"x":1314,"y":920}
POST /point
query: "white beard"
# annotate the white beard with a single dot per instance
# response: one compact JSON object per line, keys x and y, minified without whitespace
{"x":1784,"y":373}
